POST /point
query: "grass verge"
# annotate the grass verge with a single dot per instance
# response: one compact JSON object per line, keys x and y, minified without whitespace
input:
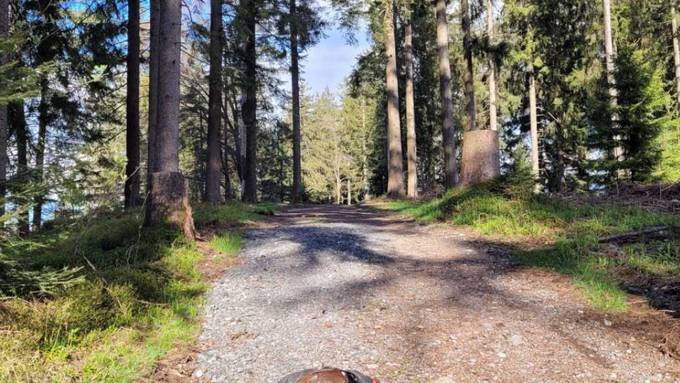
{"x":104,"y":300}
{"x":557,"y":235}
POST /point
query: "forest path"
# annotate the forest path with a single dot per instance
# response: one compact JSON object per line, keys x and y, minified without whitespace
{"x":355,"y":288}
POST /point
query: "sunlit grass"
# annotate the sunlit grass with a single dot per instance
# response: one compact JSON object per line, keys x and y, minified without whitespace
{"x":229,"y":244}
{"x":568,"y":234}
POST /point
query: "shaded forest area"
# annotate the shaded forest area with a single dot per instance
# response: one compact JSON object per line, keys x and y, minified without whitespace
{"x":138,"y":138}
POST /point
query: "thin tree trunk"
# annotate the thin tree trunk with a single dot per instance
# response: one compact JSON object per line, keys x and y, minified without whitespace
{"x":395,"y":170}
{"x":132,"y":176}
{"x":295,"y":84}
{"x":39,"y":170}
{"x":469,"y":68}
{"x":364,"y":151}
{"x":609,"y":55}
{"x":533,"y":121}
{"x":493,"y":104}
{"x":448,"y":129}
{"x":676,"y":51}
{"x":4,"y":123}
{"x":411,"y":154}
{"x":349,"y":192}
{"x":250,"y":105}
{"x":212,"y":187}
{"x":228,"y":192}
{"x":17,"y":118}
{"x":154,"y":44}
{"x":169,"y":200}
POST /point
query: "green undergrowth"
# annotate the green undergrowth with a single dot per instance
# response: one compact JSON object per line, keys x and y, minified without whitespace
{"x":557,"y":235}
{"x":103,"y":300}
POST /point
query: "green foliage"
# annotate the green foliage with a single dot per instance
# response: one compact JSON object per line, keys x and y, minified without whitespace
{"x":110,"y":298}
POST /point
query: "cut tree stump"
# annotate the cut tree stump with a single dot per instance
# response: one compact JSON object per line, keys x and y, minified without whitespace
{"x":481,"y":159}
{"x":169,"y":203}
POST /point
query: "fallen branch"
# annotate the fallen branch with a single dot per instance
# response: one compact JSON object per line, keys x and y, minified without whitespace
{"x":656,"y":232}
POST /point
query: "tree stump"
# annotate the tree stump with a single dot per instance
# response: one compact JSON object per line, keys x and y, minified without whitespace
{"x":481,"y":159}
{"x":169,"y":202}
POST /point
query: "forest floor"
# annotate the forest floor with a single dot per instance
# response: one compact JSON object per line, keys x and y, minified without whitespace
{"x":406,"y":302}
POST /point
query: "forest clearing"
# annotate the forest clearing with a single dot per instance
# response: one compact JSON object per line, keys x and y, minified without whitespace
{"x":339,"y":191}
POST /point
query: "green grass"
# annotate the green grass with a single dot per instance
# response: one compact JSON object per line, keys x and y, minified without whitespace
{"x":104,"y":300}
{"x":556,"y":235}
{"x":229,"y":244}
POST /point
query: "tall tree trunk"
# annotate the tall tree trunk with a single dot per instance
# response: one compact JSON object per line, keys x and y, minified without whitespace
{"x":212,"y":187}
{"x":169,"y":200}
{"x":249,"y":109}
{"x":533,"y":122}
{"x":17,"y":118}
{"x":4,"y":123}
{"x":609,"y":56}
{"x":395,"y":168}
{"x":480,"y":160}
{"x":154,"y":44}
{"x":349,"y":192}
{"x":295,"y":84}
{"x":448,"y":127}
{"x":412,"y":156}
{"x":364,"y":152}
{"x":470,"y":108}
{"x":228,"y":192}
{"x":493,"y":104}
{"x":43,"y":110}
{"x":676,"y":51}
{"x":132,"y":176}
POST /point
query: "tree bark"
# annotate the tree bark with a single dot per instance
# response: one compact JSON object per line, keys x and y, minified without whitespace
{"x":349,"y":192}
{"x":154,"y":44}
{"x":411,"y":154}
{"x":493,"y":104}
{"x":480,"y":157}
{"x":533,"y":122}
{"x":448,"y":127}
{"x":39,"y":170}
{"x":395,"y":172}
{"x":469,"y":68}
{"x":169,"y":196}
{"x":249,"y":109}
{"x":609,"y":56}
{"x":676,"y":52}
{"x":295,"y":85}
{"x":212,"y":187}
{"x":132,"y":169}
{"x":17,"y":118}
{"x":4,"y":123}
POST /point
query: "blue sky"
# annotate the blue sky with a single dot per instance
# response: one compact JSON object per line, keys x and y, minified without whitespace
{"x":328,"y":63}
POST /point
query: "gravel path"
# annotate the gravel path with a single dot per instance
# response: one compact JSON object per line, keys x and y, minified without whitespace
{"x":352,"y":288}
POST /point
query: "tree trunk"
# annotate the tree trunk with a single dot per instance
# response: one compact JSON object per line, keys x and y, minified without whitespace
{"x":40,"y":153}
{"x":295,"y":84}
{"x":212,"y":186}
{"x":395,"y":171}
{"x":18,"y":120}
{"x":228,"y":192}
{"x":676,"y":52}
{"x":411,"y":154}
{"x":169,"y":197}
{"x":533,"y":122}
{"x":154,"y":43}
{"x":609,"y":56}
{"x":448,"y":129}
{"x":470,"y":107}
{"x":250,"y":105}
{"x":493,"y":104}
{"x":481,"y":161}
{"x":4,"y":123}
{"x":349,"y":192}
{"x":132,"y":169}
